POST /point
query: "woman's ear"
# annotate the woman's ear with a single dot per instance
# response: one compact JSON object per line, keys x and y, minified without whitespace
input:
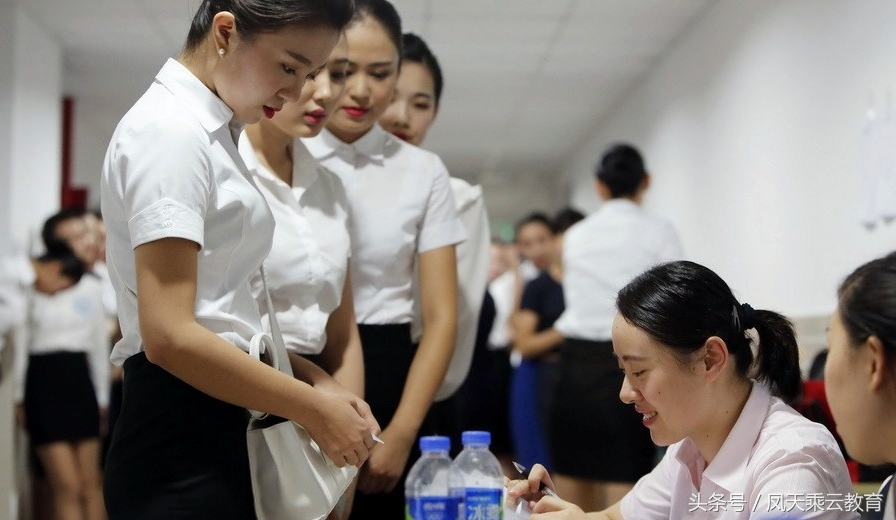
{"x":880,"y":373}
{"x":223,"y":31}
{"x":715,"y":357}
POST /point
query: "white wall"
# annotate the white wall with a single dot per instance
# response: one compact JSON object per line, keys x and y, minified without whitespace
{"x":30,"y":149}
{"x":36,"y":142}
{"x":751,"y":128}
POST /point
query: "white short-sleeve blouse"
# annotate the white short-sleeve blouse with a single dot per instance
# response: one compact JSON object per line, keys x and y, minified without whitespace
{"x":307,"y":264}
{"x":401,"y":205}
{"x":173,"y":170}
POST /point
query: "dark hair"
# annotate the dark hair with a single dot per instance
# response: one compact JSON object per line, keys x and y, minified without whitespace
{"x":867,"y":302}
{"x":682,"y":304}
{"x":58,"y":251}
{"x":48,"y":233}
{"x":414,"y":49}
{"x":383,"y":12}
{"x":254,"y":17}
{"x":621,"y":168}
{"x":565,"y":219}
{"x":536,"y":217}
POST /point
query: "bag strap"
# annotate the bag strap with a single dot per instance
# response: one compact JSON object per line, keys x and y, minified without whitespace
{"x":280,"y":354}
{"x":271,"y":343}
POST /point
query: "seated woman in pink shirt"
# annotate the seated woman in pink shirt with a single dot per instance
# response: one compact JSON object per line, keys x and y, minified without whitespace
{"x":736,"y":449}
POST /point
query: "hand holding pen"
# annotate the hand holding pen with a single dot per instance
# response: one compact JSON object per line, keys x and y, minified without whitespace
{"x":542,"y":487}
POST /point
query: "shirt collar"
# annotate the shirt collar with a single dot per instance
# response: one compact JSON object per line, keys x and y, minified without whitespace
{"x":729,"y":465}
{"x":304,"y":166}
{"x":371,"y":145}
{"x":620,"y":204}
{"x":211,"y":111}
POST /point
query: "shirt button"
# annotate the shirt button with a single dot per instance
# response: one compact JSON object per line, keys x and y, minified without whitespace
{"x":168,"y":223}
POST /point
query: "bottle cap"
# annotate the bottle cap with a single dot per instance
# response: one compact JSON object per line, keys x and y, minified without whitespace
{"x":476,"y":438}
{"x":434,"y":443}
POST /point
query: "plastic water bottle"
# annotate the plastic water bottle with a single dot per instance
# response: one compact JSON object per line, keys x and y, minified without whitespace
{"x":482,"y":489}
{"x":428,"y":486}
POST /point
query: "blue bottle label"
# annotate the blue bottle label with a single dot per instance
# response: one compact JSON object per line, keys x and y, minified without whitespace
{"x":482,"y":504}
{"x":432,"y":508}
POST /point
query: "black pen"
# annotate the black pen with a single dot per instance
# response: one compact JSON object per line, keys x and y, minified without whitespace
{"x":524,"y":471}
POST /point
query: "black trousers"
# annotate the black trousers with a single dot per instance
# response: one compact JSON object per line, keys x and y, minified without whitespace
{"x":388,"y":353}
{"x":176,"y":453}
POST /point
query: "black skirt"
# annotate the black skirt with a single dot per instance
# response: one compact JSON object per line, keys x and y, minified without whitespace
{"x":593,"y":435}
{"x":60,"y":401}
{"x":388,"y":353}
{"x":176,"y":453}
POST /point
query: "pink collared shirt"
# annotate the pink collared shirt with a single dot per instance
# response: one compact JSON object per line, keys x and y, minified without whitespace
{"x":775,"y":463}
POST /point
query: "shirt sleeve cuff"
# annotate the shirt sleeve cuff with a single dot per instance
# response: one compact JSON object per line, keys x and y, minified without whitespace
{"x":439,"y":235}
{"x":166,"y":218}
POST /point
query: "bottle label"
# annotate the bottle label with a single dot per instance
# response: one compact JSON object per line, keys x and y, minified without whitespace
{"x":431,"y":508}
{"x":482,"y":504}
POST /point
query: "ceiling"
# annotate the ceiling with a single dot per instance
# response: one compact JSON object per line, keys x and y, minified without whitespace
{"x":527,"y":81}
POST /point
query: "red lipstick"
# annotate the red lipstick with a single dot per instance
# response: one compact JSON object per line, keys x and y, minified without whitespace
{"x":356,"y":112}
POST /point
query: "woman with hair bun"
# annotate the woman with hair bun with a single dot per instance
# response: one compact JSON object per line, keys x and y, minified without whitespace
{"x":187,"y":228}
{"x":736,"y":450}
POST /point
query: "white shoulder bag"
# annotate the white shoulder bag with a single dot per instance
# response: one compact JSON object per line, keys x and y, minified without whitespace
{"x":292,"y":479}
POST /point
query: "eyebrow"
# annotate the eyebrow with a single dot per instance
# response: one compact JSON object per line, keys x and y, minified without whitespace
{"x":631,"y":358}
{"x":299,"y":57}
{"x":423,"y":94}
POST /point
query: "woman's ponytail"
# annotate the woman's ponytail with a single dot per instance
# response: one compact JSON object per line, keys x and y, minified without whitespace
{"x":777,"y":361}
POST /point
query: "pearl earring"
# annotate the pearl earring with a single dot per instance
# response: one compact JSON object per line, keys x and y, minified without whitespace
{"x":221,"y":52}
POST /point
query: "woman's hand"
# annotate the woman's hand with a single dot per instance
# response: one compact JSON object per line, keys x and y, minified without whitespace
{"x":363,"y":409}
{"x":386,"y":464}
{"x":340,"y":430}
{"x":552,"y":508}
{"x":529,"y":490}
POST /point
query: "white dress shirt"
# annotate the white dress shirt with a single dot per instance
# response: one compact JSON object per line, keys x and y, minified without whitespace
{"x":601,"y":254}
{"x":473,"y":257}
{"x":17,"y":279}
{"x":775,"y":463}
{"x":306,"y":267}
{"x":504,"y":293}
{"x":401,"y":205}
{"x":72,"y":320}
{"x":173,"y":170}
{"x":109,"y":302}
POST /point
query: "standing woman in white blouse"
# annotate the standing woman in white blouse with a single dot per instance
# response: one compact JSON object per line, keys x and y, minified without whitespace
{"x":402,"y":215}
{"x":187,"y":228}
{"x":307,"y":268}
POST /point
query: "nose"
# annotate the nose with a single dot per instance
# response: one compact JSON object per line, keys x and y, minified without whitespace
{"x":358,"y":89}
{"x":628,"y":394}
{"x":323,"y":93}
{"x":401,"y":113}
{"x":292,"y":92}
